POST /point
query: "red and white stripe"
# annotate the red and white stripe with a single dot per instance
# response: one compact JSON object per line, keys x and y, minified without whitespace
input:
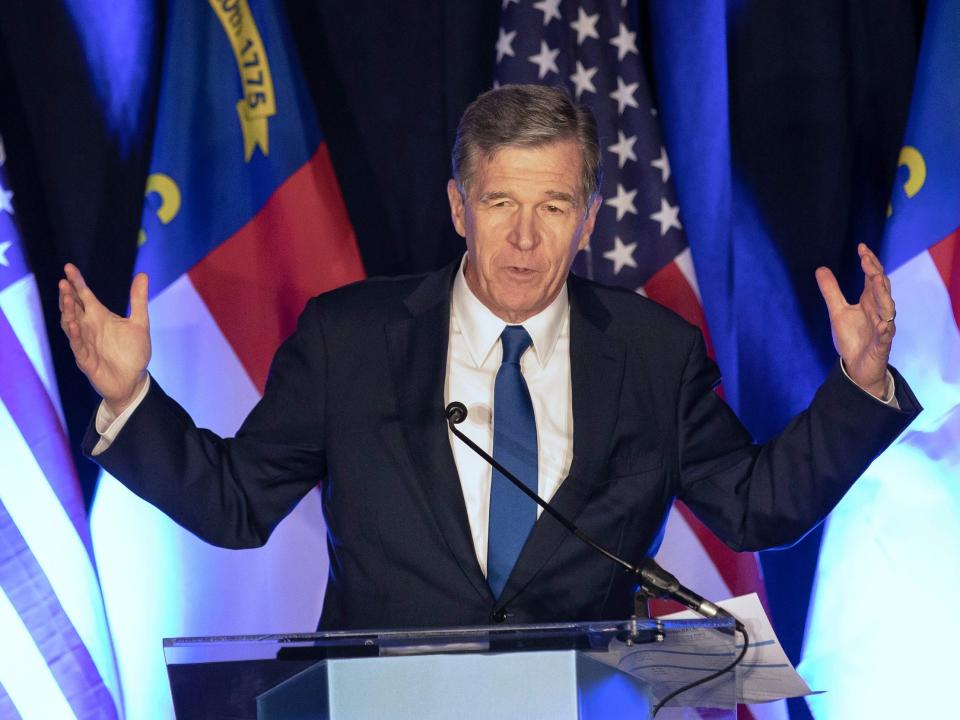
{"x":689,"y":550}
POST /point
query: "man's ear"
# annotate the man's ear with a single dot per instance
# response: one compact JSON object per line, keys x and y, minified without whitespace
{"x":589,"y":222}
{"x":457,"y":209}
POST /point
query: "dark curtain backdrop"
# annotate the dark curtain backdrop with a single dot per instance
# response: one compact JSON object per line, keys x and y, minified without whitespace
{"x":819,"y":91}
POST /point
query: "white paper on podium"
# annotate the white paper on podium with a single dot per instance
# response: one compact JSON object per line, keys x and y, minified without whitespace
{"x":765,"y":674}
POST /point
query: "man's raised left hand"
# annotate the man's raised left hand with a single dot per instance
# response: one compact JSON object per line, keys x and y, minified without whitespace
{"x":862,"y":333}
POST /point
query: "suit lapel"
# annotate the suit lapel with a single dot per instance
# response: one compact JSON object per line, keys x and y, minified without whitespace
{"x":596,"y":373}
{"x":417,"y":348}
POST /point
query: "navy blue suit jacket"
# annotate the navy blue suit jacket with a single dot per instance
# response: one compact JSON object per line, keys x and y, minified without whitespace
{"x":354,"y":401}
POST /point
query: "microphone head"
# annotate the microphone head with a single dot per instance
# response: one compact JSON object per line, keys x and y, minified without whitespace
{"x":656,"y":578}
{"x":456,"y":412}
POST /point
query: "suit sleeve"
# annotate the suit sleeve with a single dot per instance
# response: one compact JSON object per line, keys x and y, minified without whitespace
{"x":761,"y":496}
{"x":231,"y":492}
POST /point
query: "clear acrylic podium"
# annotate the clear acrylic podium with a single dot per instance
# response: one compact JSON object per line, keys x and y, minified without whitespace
{"x":558,"y":671}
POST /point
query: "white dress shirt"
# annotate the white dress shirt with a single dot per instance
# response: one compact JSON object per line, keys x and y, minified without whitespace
{"x":473,"y":359}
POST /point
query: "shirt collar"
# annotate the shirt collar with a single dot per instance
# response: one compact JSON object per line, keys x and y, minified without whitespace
{"x":481,"y":328}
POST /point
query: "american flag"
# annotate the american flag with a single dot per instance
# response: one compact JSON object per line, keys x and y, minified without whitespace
{"x":639,"y":239}
{"x":593,"y":49}
{"x":57,"y":660}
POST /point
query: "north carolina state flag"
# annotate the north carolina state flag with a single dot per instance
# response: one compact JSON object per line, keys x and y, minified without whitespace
{"x":897,"y":533}
{"x":243,"y":222}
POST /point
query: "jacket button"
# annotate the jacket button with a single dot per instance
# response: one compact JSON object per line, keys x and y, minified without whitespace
{"x":499,"y":616}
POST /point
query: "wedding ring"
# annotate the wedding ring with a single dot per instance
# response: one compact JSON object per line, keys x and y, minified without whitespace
{"x":892,"y":318}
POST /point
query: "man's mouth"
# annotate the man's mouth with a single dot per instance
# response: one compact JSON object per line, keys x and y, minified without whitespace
{"x":518,"y":271}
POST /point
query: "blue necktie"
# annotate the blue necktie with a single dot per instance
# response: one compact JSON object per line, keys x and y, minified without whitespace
{"x":512,"y":514}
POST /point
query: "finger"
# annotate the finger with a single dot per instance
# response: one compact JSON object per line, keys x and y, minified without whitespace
{"x":869,"y":262}
{"x":63,"y":288}
{"x":882,"y":298}
{"x":79,"y":348}
{"x":81,"y":344}
{"x":66,"y":310}
{"x":873,"y":308}
{"x":69,"y":311}
{"x":884,"y":334}
{"x":75,"y":278}
{"x":830,"y":290}
{"x":876,"y":284}
{"x":67,"y":289}
{"x":138,"y":299}
{"x":867,"y":254}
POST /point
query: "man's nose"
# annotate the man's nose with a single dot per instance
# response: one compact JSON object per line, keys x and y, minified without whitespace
{"x":525,"y":234}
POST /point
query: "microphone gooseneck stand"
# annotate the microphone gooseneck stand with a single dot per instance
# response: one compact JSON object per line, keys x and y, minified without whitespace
{"x":655,"y":582}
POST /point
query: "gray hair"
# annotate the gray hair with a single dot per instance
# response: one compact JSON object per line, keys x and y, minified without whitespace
{"x":525,"y":116}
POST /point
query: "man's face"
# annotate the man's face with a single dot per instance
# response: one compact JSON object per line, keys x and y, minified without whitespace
{"x":524,"y":221}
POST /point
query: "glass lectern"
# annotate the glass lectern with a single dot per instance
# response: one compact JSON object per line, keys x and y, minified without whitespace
{"x":558,"y":671}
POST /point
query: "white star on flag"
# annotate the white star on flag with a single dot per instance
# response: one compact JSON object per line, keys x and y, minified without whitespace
{"x":585,"y":25}
{"x":583,"y":79}
{"x":621,"y":255}
{"x":550,"y":10}
{"x":623,"y":202}
{"x":505,"y":44}
{"x":623,"y":148}
{"x":625,"y":42}
{"x":668,"y":216}
{"x":624,"y":95}
{"x":545,"y":60}
{"x":4,"y":246}
{"x":662,"y":163}
{"x":5,"y":197}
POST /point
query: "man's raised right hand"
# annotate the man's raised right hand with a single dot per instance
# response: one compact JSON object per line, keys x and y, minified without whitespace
{"x":112,"y":351}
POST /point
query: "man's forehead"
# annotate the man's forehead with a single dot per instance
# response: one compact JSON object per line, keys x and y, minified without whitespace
{"x":551,"y":169}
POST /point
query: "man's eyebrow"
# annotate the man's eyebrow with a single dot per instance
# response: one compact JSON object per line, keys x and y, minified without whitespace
{"x":551,"y":195}
{"x":559,"y":195}
{"x":495,"y":195}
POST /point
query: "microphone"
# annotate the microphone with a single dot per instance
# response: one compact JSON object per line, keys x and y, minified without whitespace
{"x":656,"y":577}
{"x":456,"y":412}
{"x":654,"y":580}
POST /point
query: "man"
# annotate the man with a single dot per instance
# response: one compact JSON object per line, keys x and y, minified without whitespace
{"x":596,"y":397}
